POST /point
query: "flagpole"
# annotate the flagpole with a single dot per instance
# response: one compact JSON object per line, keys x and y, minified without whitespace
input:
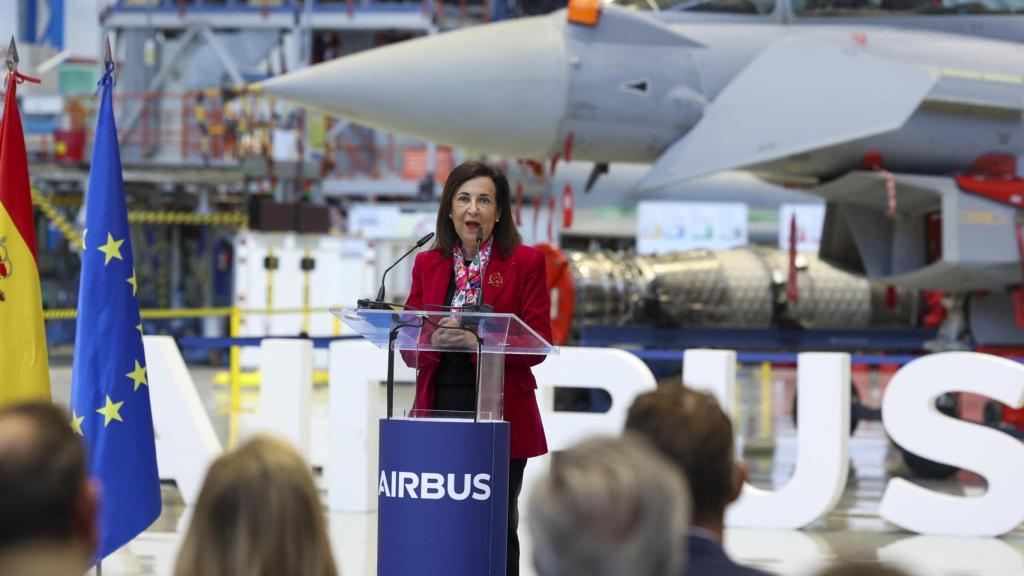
{"x":112,"y":404}
{"x":107,"y":64}
{"x":107,"y":59}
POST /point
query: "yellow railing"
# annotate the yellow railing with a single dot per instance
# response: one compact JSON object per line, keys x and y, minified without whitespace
{"x":235,"y":378}
{"x":188,"y":219}
{"x":48,"y":207}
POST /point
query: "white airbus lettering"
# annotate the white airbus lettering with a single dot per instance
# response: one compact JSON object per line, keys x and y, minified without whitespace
{"x":434,"y":486}
{"x":481,"y":489}
{"x":912,"y":420}
{"x":407,"y":482}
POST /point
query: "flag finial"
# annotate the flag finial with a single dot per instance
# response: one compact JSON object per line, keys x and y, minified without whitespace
{"x":108,"y":57}
{"x":12,"y":57}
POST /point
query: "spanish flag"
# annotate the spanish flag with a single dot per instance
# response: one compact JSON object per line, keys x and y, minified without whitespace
{"x":24,"y":370}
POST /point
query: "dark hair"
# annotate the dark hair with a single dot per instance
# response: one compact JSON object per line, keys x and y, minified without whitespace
{"x":691,"y":430}
{"x":505,"y":234}
{"x":42,"y":474}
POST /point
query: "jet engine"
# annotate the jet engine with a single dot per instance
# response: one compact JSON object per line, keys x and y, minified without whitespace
{"x":739,"y":288}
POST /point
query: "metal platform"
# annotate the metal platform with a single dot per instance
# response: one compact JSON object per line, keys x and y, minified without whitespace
{"x":283,"y":15}
{"x":146,"y":173}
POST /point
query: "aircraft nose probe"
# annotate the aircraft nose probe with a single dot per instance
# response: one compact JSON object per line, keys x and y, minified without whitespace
{"x":500,"y":88}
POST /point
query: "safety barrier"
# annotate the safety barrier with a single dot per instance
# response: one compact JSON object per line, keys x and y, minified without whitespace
{"x":234,"y":220}
{"x":149,"y":313}
{"x":50,"y":210}
{"x":235,"y":377}
{"x":201,"y":342}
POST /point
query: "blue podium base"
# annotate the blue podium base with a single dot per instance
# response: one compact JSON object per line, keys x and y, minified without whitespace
{"x":442,"y":498}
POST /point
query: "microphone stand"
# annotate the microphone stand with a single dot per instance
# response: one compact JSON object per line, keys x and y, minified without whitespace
{"x":391,"y":367}
{"x":379,"y":303}
{"x":392,"y":336}
{"x":479,"y":373}
{"x":481,"y":308}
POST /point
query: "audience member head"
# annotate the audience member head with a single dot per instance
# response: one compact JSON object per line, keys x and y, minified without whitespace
{"x":862,"y":569}
{"x":258,"y":514}
{"x":47,"y":502}
{"x":690,"y":429}
{"x":609,"y":506}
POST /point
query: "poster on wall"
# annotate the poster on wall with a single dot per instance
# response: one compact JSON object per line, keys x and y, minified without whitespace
{"x":810,"y":218}
{"x":665,"y":226}
{"x":374,"y":221}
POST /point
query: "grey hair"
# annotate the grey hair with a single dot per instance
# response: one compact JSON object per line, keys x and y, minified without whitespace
{"x":609,"y":506}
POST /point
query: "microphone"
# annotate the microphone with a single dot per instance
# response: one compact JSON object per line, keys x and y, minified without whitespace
{"x":379,"y":303}
{"x":480,"y":306}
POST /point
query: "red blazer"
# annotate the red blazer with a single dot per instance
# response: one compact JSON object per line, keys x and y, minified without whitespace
{"x":517,"y":285}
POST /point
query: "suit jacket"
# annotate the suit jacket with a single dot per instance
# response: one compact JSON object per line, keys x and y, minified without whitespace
{"x":705,"y":557}
{"x":517,"y":285}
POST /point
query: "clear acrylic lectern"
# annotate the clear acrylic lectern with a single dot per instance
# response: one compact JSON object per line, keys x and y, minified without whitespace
{"x":490,"y":335}
{"x":431,"y":462}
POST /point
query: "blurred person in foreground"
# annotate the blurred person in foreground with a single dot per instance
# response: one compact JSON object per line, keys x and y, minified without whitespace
{"x":609,"y":507}
{"x":690,"y":429}
{"x":258,"y":514}
{"x":48,"y":505}
{"x":862,"y":569}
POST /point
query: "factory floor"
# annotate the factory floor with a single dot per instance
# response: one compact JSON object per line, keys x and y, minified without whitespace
{"x":852,"y":532}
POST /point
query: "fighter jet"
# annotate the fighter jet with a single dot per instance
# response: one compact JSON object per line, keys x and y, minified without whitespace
{"x":993,"y":19}
{"x":911,"y":136}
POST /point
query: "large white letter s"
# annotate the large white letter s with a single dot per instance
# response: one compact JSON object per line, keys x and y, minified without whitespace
{"x":913,"y":422}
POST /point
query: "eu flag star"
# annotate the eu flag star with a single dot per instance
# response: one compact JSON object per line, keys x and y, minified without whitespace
{"x":138,"y":375}
{"x":76,"y":423}
{"x":133,"y":282}
{"x":110,"y":412}
{"x":112,"y":249}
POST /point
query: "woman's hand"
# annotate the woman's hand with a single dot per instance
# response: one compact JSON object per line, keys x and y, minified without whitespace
{"x":442,"y":335}
{"x":449,"y":335}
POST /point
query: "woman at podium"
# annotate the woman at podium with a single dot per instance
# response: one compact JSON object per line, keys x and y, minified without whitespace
{"x":477,"y":251}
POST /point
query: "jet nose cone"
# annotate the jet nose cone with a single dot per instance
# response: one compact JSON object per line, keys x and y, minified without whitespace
{"x":500,"y":88}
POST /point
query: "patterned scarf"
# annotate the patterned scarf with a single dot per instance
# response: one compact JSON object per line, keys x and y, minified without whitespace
{"x":468,"y":278}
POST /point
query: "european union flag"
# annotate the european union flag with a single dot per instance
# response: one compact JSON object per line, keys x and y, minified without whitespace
{"x":109,"y":389}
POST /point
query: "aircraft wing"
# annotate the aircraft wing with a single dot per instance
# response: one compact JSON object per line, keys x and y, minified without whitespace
{"x":798,"y":95}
